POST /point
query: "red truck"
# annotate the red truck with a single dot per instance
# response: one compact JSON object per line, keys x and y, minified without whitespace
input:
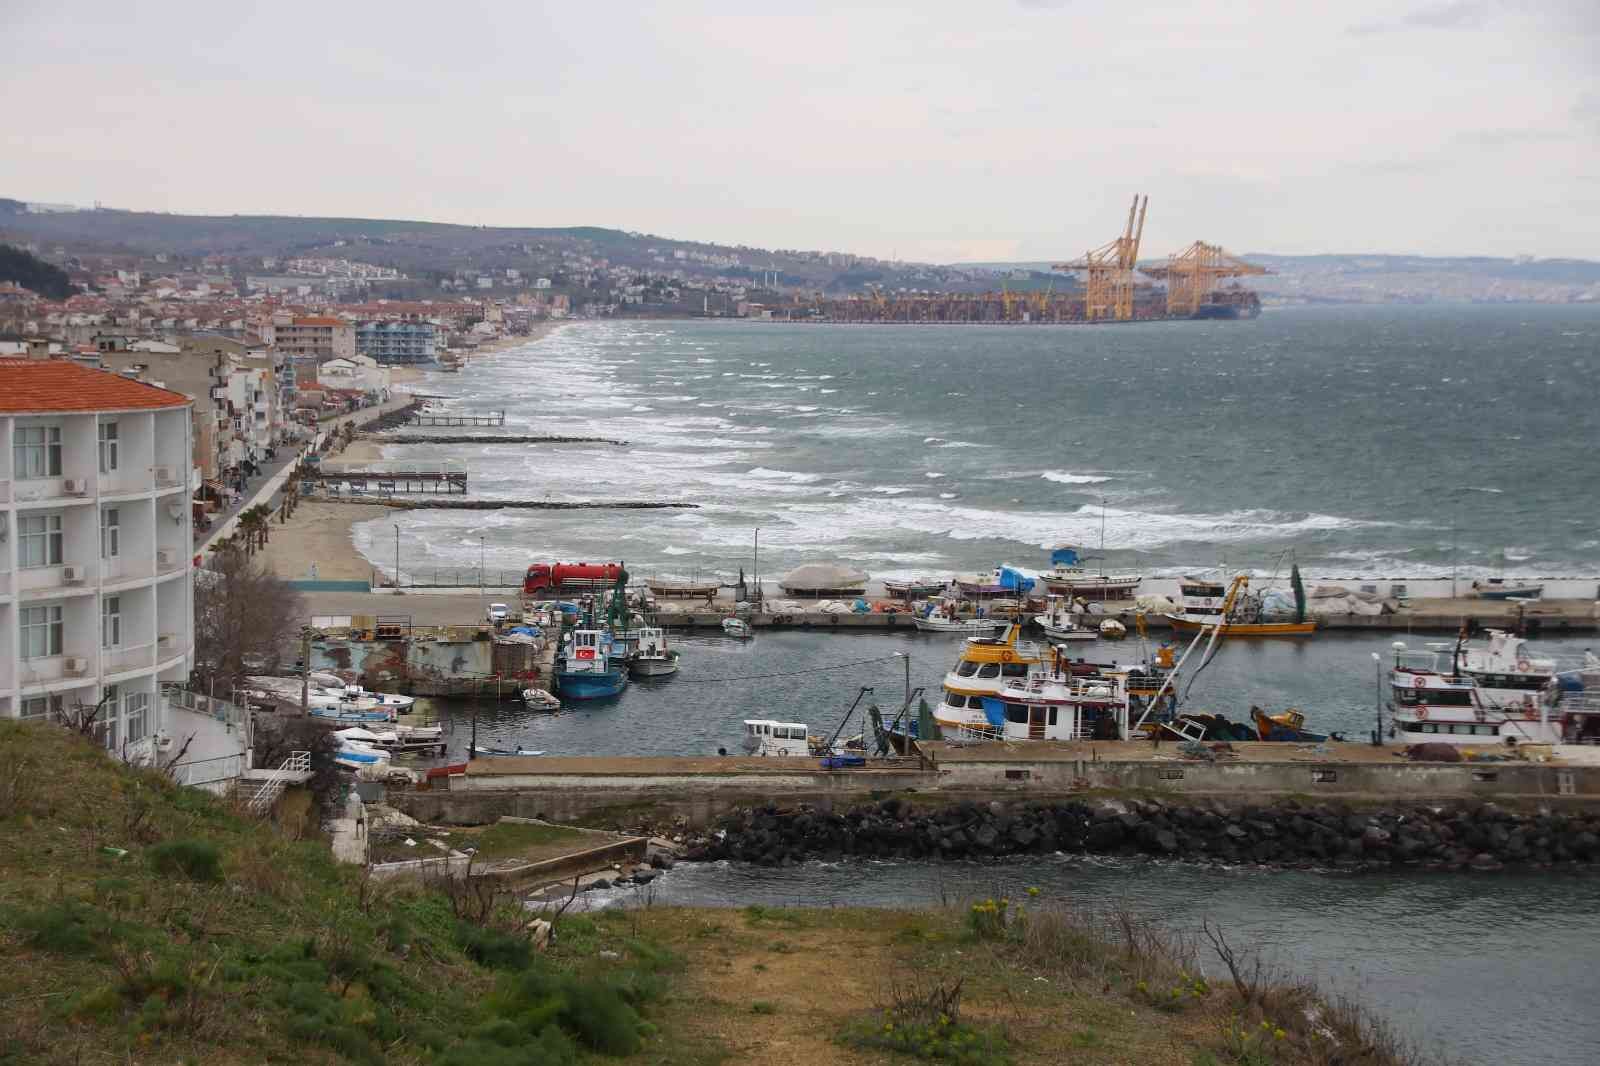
{"x":555,"y":579}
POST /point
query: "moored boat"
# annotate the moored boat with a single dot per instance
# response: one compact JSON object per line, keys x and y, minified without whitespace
{"x":915,"y":588}
{"x":539,"y":699}
{"x":1001,"y":581}
{"x":587,"y":669}
{"x":940,"y":620}
{"x":1234,"y":610}
{"x":1059,"y":623}
{"x":1068,"y":577}
{"x":480,"y":751}
{"x":1497,"y":588}
{"x":651,"y":657}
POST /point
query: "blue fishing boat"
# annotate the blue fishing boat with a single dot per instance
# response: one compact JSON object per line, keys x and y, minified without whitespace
{"x":588,"y":669}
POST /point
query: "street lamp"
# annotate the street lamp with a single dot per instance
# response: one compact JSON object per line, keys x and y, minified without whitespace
{"x":397,"y":556}
{"x":480,"y":572}
{"x":1377,"y":693}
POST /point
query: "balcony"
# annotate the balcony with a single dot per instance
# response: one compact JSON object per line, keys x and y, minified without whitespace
{"x":127,"y":657}
{"x":37,"y":673}
{"x":124,"y":568}
{"x":170,"y":560}
{"x":5,"y":490}
{"x":169,"y":476}
{"x":53,"y":489}
{"x":46,"y":580}
{"x":5,"y":582}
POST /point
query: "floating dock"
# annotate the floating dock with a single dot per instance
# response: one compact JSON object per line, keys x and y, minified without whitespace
{"x":387,"y":478}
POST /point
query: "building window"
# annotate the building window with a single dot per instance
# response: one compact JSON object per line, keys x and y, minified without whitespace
{"x":137,"y":717}
{"x":36,"y":452}
{"x":40,"y":536}
{"x":41,"y":631}
{"x":34,"y":707}
{"x":110,"y":533}
{"x":108,"y":447}
{"x":111,"y":622}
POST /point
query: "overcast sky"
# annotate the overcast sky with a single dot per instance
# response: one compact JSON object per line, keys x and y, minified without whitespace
{"x":983,"y":130}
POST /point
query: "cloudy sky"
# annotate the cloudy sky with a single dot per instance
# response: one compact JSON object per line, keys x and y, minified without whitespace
{"x":983,"y":130}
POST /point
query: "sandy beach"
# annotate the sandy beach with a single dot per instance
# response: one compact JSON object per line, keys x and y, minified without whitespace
{"x":320,"y":533}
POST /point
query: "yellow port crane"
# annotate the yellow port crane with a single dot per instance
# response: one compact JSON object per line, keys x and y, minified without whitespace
{"x":1108,"y":288}
{"x":1192,"y":275}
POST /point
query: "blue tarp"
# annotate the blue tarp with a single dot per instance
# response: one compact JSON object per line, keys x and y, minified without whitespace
{"x":1064,"y":557}
{"x":994,"y":709}
{"x":861,"y":607}
{"x":532,"y":631}
{"x":1014,"y":579}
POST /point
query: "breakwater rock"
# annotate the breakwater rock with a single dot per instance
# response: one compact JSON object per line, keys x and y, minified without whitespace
{"x":1285,"y":833}
{"x":484,"y":438}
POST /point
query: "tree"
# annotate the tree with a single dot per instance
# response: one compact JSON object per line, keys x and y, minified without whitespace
{"x":243,"y":613}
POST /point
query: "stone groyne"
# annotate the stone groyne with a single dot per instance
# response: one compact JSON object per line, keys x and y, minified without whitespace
{"x":1286,"y":833}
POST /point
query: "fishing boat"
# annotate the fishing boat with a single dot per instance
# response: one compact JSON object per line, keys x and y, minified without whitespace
{"x":941,"y":620}
{"x":1436,"y":699}
{"x":587,"y":668}
{"x":1288,"y":726}
{"x":915,"y":588}
{"x":1068,"y":577}
{"x":538,"y":699}
{"x":354,"y":755}
{"x":391,"y":700}
{"x":1001,"y":581}
{"x":1059,"y":623}
{"x":479,"y":751}
{"x":1234,"y":611}
{"x":399,"y":738}
{"x":684,"y":590}
{"x":984,"y":666}
{"x":1049,"y":705}
{"x":349,"y":711}
{"x":1497,"y":588}
{"x":651,"y":657}
{"x":736,"y":627}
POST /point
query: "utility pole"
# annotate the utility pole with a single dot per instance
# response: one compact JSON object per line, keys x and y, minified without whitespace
{"x":305,"y":669}
{"x":1377,"y":697}
{"x":755,"y":565}
{"x":397,"y":556}
{"x":481,"y":607}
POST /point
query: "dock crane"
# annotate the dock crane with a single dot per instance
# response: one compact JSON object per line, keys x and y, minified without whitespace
{"x":1108,"y":290}
{"x":1192,"y":275}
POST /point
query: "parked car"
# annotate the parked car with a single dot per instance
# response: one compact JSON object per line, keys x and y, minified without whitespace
{"x":498,"y":612}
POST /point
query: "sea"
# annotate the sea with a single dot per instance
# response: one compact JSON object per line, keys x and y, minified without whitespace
{"x":1357,"y":442}
{"x":1361,"y":443}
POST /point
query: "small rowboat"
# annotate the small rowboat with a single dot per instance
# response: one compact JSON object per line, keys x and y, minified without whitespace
{"x":539,"y":699}
{"x":736,"y":627}
{"x":479,"y":751}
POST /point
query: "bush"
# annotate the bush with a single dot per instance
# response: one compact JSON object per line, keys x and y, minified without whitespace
{"x":67,"y":928}
{"x":597,"y":1014}
{"x":487,"y":947}
{"x":942,"y":1040}
{"x":198,"y":860}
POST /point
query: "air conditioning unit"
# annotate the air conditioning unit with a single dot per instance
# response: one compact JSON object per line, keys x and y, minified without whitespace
{"x":76,"y":664}
{"x":72,"y":575}
{"x":164,"y":473}
{"x":75,"y":486}
{"x":166,"y":556}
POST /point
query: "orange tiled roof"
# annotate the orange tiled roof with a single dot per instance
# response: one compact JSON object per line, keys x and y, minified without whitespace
{"x":42,"y":385}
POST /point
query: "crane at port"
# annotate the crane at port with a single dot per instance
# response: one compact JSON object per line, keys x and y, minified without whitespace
{"x":1108,"y":289}
{"x":1192,"y":275}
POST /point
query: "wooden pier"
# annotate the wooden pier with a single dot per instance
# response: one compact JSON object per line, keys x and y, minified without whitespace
{"x":388,"y":478}
{"x":456,"y":418}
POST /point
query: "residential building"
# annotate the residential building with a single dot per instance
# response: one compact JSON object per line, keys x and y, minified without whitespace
{"x":398,"y":342}
{"x":361,"y":374}
{"x":96,"y":586}
{"x":320,"y":336}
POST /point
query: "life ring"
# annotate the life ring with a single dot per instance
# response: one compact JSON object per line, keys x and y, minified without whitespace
{"x":1523,"y":666}
{"x":1422,"y":714}
{"x":1419,"y":682}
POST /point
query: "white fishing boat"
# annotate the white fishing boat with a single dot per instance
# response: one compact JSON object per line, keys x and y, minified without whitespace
{"x":986,"y":665}
{"x":942,"y":620}
{"x":349,"y":711}
{"x":1068,"y":577}
{"x":355,"y":693}
{"x":651,"y":657}
{"x":1059,"y":623}
{"x":1435,"y":699}
{"x":539,"y":699}
{"x":915,"y":588}
{"x":1046,"y":706}
{"x":1498,"y":588}
{"x":736,"y":627}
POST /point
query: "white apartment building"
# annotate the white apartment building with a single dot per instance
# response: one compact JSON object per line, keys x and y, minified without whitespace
{"x":96,"y":583}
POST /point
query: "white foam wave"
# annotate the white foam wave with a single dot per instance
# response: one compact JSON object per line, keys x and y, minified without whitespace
{"x":1066,"y":478}
{"x":784,"y":475}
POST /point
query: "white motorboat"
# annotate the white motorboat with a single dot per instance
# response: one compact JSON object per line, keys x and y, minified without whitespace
{"x":940,"y":620}
{"x":539,"y":699}
{"x":479,"y":751}
{"x":1504,"y":696}
{"x":396,"y":738}
{"x":1059,"y":623}
{"x":355,"y":755}
{"x":736,"y":627}
{"x":651,"y":657}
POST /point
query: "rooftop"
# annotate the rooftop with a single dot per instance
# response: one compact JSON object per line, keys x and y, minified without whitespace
{"x":45,"y":385}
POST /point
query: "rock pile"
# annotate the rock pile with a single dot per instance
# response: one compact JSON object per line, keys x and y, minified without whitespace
{"x":1285,"y":833}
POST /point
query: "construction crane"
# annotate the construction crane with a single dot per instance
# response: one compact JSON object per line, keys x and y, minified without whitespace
{"x":1108,"y":291}
{"x":1192,"y":275}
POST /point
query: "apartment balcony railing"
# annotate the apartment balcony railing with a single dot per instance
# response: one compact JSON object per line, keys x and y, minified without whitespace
{"x":125,"y":568}
{"x":5,"y":582}
{"x":5,"y":490}
{"x":34,"y":672}
{"x":51,"y":578}
{"x":80,"y":487}
{"x":127,"y":657}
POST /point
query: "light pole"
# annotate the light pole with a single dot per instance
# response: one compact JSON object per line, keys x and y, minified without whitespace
{"x":480,"y":573}
{"x":1377,"y":694}
{"x":397,"y":556}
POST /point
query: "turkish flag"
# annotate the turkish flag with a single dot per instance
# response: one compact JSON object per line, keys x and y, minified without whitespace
{"x":586,"y":653}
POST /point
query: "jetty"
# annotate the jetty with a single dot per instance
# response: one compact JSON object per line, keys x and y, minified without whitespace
{"x":425,"y":417}
{"x":391,"y":476}
{"x":485,"y":438}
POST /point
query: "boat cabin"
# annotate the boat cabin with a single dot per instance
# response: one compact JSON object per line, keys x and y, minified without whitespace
{"x":588,"y":651}
{"x":767,"y":736}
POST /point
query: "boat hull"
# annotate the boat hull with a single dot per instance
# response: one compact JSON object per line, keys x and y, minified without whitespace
{"x":1529,"y":592}
{"x":592,"y":685}
{"x":1246,"y":629}
{"x":975,"y":627}
{"x":654,"y":667}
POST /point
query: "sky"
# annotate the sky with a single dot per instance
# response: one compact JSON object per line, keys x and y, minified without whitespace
{"x":995,"y":130}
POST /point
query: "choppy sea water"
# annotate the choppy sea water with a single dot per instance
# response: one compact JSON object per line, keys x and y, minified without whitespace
{"x":1378,"y":442}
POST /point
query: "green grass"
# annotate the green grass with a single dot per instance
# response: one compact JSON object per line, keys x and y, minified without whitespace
{"x":215,"y":940}
{"x":510,"y":839}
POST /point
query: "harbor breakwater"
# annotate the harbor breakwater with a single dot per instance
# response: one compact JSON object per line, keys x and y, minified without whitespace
{"x":1287,"y":833}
